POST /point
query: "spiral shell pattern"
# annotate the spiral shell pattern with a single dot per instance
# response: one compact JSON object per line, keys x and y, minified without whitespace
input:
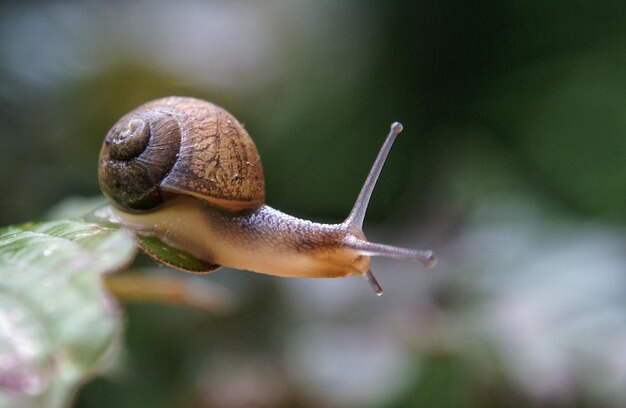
{"x":179,"y":145}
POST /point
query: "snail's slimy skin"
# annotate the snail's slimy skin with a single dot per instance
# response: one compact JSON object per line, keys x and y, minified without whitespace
{"x":264,"y":240}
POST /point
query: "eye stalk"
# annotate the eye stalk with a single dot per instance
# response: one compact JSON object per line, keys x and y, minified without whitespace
{"x":354,"y":222}
{"x":357,"y":215}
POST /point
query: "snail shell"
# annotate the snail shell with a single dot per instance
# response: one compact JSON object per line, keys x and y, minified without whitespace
{"x":185,"y":146}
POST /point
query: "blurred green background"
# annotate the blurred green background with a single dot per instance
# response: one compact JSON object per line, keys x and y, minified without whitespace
{"x":512,"y":167}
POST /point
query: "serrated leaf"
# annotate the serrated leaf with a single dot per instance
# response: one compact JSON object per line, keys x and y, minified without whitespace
{"x":56,"y":322}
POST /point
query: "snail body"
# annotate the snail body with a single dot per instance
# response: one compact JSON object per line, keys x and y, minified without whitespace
{"x":186,"y":171}
{"x":261,"y":240}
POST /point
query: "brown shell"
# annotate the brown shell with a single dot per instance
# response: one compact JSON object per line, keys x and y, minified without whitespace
{"x":180,"y":145}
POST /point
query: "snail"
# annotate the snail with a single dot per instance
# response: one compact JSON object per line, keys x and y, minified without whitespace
{"x":186,"y":171}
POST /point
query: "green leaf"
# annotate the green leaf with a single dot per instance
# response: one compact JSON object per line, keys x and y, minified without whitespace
{"x":176,"y":258}
{"x":56,"y":321}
